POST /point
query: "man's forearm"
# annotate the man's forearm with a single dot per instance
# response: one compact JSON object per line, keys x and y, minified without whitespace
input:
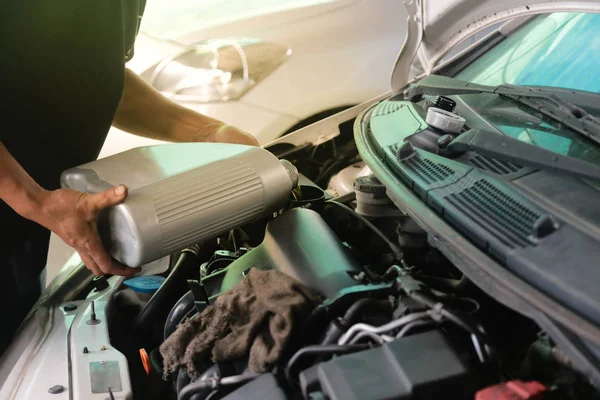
{"x":17,"y":188}
{"x":144,"y":111}
{"x":70,"y":214}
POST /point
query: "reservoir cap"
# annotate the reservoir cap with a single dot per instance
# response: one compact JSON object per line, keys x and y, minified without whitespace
{"x":145,"y":284}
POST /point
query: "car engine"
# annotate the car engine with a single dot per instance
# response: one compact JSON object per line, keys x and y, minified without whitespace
{"x":396,"y":319}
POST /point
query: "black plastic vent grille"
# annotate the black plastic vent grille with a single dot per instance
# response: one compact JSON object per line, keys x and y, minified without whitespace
{"x":429,"y":171}
{"x":506,"y":218}
{"x":495,"y":166}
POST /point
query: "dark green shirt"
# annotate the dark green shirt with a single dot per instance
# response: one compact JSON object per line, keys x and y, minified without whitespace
{"x":62,"y":65}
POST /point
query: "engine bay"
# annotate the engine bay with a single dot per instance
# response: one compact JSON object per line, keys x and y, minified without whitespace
{"x":390,"y":316}
{"x":386,"y":328}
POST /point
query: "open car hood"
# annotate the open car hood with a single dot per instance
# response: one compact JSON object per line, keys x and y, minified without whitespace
{"x":436,"y":26}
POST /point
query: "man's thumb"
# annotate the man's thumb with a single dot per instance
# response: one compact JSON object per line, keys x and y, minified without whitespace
{"x":110,"y":197}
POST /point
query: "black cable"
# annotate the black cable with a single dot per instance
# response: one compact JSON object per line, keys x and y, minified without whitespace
{"x":345,"y":198}
{"x":459,"y":320}
{"x":347,"y":159}
{"x":434,"y":304}
{"x":332,"y":165}
{"x":330,"y":349}
{"x":395,"y":249}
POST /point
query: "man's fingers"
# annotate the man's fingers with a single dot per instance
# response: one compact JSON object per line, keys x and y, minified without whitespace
{"x":96,"y":251}
{"x":108,"y":198}
{"x":122,"y":270}
{"x":105,"y":262}
{"x":90,"y":263}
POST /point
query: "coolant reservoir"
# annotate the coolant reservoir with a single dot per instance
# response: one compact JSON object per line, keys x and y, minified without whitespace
{"x":180,"y":194}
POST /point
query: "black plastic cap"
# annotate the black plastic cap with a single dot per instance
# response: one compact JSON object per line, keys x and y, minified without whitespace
{"x":100,"y":283}
{"x":369,"y":184}
{"x":445,"y":103}
{"x":57,"y":389}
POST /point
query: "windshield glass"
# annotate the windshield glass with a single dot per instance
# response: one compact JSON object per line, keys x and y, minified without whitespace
{"x":531,"y":126}
{"x":174,"y":18}
{"x":559,"y":50}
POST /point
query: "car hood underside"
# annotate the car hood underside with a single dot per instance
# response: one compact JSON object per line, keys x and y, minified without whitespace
{"x":436,"y":26}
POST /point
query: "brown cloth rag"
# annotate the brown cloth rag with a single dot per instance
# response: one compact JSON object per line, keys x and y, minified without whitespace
{"x":256,"y":318}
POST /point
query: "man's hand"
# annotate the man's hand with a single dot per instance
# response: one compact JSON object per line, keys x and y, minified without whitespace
{"x":230,"y":134}
{"x":73,"y":216}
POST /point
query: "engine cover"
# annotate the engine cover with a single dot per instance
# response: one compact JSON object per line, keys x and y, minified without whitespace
{"x":180,"y":194}
{"x":300,"y":244}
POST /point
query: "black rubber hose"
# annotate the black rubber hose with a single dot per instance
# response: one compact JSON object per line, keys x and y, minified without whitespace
{"x":181,"y":379}
{"x":351,"y":315}
{"x":345,"y":198}
{"x":157,"y":309}
{"x":182,"y":308}
{"x":395,"y":249}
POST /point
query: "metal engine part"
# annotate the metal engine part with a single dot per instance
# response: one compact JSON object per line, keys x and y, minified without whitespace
{"x":372,"y":200}
{"x":341,"y":183}
{"x":181,"y":194}
{"x":300,"y":244}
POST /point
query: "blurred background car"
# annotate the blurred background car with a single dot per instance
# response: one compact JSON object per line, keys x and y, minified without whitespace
{"x":265,"y":66}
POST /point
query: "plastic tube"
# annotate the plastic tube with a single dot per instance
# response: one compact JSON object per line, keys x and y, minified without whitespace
{"x":157,"y":309}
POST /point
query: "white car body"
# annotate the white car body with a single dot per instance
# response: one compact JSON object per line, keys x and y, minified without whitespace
{"x":38,"y":358}
{"x":342,"y":54}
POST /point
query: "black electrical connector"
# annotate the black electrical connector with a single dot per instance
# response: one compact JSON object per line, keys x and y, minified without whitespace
{"x":331,"y":349}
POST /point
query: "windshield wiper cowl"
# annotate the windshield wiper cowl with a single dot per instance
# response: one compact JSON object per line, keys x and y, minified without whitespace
{"x":506,"y":148}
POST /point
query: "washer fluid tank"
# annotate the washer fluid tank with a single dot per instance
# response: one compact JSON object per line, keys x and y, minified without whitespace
{"x":181,"y":194}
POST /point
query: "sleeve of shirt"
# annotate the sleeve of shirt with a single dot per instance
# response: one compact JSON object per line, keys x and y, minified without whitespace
{"x":133,"y":11}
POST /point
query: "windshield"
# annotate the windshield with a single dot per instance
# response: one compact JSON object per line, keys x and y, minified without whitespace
{"x":174,"y":18}
{"x":559,"y":50}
